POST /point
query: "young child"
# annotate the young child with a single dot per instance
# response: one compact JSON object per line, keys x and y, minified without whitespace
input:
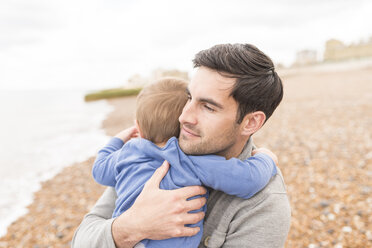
{"x":128,"y":166}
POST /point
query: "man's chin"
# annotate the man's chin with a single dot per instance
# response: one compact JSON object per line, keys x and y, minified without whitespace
{"x":187,"y":146}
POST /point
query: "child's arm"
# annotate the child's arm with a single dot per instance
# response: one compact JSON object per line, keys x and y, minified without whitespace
{"x":235,"y":177}
{"x":104,"y":166}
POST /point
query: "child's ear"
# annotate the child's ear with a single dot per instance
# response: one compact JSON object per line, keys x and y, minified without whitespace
{"x":252,"y":122}
{"x":138,"y":128}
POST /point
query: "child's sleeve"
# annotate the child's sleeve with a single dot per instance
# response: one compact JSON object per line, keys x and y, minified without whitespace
{"x":104,"y":166}
{"x":235,"y":177}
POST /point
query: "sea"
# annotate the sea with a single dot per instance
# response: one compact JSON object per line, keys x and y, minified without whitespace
{"x":41,"y":132}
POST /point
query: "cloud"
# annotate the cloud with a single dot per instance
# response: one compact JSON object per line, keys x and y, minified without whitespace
{"x":99,"y":43}
{"x":24,"y":22}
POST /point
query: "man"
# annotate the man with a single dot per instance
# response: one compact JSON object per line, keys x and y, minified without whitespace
{"x":234,"y":91}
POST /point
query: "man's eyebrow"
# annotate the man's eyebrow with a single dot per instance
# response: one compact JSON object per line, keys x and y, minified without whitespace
{"x":207,"y":100}
{"x":211,"y":101}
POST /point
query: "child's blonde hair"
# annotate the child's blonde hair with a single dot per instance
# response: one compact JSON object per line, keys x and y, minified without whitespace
{"x":158,"y":107}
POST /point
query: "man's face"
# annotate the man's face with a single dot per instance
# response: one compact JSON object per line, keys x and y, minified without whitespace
{"x":208,"y":120}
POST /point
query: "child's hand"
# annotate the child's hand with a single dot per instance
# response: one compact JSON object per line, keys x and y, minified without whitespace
{"x":267,"y":152}
{"x":127,"y":134}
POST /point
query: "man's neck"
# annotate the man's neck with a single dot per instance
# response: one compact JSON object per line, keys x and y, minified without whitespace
{"x":236,"y":149}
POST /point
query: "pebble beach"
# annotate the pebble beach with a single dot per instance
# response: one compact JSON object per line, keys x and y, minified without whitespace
{"x":321,"y":132}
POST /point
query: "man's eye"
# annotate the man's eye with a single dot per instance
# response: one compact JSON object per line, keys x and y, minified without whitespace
{"x":208,"y":108}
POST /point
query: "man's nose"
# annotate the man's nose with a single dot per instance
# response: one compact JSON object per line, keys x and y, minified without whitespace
{"x":188,"y":114}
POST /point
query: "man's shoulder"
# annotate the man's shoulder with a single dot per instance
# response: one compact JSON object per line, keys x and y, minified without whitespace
{"x":266,"y":214}
{"x":270,"y":199}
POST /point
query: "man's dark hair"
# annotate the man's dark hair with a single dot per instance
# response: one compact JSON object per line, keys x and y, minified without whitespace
{"x":258,"y":86}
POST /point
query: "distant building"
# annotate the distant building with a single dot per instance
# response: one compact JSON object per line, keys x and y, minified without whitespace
{"x":336,"y":50}
{"x":137,"y":81}
{"x":305,"y":57}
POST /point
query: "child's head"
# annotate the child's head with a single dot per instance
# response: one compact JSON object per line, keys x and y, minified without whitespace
{"x":158,"y":107}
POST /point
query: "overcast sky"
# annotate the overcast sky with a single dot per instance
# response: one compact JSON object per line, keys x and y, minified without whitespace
{"x":81,"y":44}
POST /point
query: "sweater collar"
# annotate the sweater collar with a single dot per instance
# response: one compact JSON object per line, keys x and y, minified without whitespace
{"x":247,"y":150}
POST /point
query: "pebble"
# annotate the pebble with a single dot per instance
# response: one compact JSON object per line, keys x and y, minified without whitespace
{"x":358,"y":223}
{"x":347,"y":229}
{"x":313,"y":246}
{"x":60,"y":235}
{"x":369,"y":156}
{"x":366,"y":190}
{"x":324,"y":243}
{"x":336,"y":208}
{"x":324,"y":203}
{"x":369,"y":235}
{"x":331,"y":216}
{"x":361,"y":164}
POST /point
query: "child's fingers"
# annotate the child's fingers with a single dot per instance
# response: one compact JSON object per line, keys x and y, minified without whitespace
{"x":254,"y":152}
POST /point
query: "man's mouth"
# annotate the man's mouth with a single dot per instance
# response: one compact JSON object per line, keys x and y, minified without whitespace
{"x":188,"y":132}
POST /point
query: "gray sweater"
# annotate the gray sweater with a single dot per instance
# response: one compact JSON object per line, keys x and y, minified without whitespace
{"x":261,"y":221}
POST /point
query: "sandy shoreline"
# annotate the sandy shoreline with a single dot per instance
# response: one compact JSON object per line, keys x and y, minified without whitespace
{"x":322,"y":134}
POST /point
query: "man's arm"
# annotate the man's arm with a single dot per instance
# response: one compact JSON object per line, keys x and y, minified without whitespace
{"x":156,"y":214}
{"x":95,"y":229}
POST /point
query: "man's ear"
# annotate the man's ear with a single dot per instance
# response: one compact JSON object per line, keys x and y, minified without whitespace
{"x":252,"y":122}
{"x":138,"y":128}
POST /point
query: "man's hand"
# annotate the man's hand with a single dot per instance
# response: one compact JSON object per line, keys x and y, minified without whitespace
{"x":127,"y":134}
{"x":267,"y":152}
{"x":159,"y":214}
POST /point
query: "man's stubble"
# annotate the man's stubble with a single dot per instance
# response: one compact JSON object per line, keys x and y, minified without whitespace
{"x":215,"y":143}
